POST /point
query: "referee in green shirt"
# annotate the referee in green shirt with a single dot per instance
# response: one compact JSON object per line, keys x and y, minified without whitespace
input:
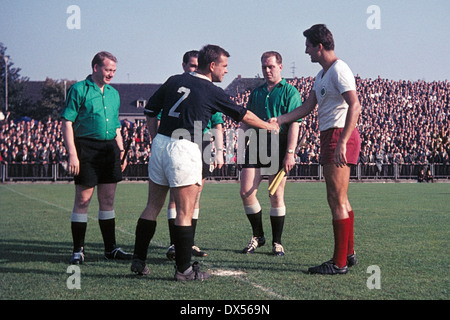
{"x":91,"y":130}
{"x":275,"y":97}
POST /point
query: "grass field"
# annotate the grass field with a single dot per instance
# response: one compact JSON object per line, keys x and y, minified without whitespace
{"x":401,"y":228}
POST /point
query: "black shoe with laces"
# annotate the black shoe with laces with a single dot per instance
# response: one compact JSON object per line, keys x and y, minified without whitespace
{"x":255,"y":242}
{"x":118,"y":254}
{"x":351,"y":260}
{"x":197,"y":252}
{"x":77,"y":257}
{"x":170,"y":254}
{"x":328,"y":267}
{"x":139,"y":267}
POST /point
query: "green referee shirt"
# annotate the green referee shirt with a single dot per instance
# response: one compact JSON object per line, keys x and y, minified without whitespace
{"x":283,"y":98}
{"x":94,"y":114}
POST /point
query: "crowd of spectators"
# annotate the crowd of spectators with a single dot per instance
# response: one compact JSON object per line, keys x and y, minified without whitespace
{"x":25,"y":141}
{"x":402,"y":122}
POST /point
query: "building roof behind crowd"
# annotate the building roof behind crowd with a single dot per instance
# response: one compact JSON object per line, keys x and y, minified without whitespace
{"x":134,"y":96}
{"x":241,"y":85}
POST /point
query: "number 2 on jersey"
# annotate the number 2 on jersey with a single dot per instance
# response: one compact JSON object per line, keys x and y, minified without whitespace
{"x":185,"y":92}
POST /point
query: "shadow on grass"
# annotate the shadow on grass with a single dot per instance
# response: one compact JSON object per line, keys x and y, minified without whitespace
{"x":14,"y":253}
{"x":17,"y":251}
{"x":262,"y":260}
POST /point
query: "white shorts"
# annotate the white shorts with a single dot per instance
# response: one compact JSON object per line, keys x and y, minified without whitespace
{"x":175,"y":162}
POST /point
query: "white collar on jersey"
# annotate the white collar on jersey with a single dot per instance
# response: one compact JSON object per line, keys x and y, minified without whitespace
{"x":198,"y":75}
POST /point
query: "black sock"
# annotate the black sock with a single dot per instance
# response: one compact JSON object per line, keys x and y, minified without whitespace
{"x":256,"y":222}
{"x":78,"y":234}
{"x":145,"y":229}
{"x":194,"y":226}
{"x":108,"y":229}
{"x":277,"y":228}
{"x":171,"y":223}
{"x":184,"y":240}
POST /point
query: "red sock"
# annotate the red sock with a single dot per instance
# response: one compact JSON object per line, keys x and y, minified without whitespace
{"x":341,"y":230}
{"x":350,"y":249}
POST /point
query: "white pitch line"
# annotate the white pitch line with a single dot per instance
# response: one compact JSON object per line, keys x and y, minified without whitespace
{"x":228,"y":273}
{"x":37,"y":199}
{"x":240,"y":276}
{"x":237,"y":274}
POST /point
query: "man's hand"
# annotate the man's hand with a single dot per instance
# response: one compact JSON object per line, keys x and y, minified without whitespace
{"x":273,"y":120}
{"x":289,"y":162}
{"x":273,"y":126}
{"x":340,"y":158}
{"x":73,"y":165}
{"x":218,"y":159}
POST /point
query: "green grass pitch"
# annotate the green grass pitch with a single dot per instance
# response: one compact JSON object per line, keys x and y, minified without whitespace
{"x":401,"y":228}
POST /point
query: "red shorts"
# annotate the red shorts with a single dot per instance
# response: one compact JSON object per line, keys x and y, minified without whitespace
{"x":328,"y":141}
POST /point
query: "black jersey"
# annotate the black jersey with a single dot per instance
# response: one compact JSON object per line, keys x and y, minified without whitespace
{"x":188,"y":98}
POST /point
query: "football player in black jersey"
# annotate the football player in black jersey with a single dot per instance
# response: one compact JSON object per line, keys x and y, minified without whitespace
{"x":190,"y":64}
{"x":187,"y":102}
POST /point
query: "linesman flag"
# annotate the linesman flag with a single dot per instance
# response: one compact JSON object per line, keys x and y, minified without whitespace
{"x":280,"y":175}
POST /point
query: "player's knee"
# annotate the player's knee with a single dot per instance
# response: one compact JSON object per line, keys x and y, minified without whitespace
{"x":335,"y":201}
{"x":106,"y":203}
{"x":247,"y":194}
{"x":150,"y":212}
{"x":82,"y":203}
{"x":277,"y":199}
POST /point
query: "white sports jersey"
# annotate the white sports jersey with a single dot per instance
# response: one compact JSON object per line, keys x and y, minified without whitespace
{"x":329,"y":89}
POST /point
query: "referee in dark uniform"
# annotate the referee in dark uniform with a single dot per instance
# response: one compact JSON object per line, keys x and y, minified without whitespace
{"x":91,"y":130}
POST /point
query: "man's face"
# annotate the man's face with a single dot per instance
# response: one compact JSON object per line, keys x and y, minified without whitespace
{"x":104,"y":73}
{"x":271,"y":69}
{"x":219,"y":69}
{"x":191,"y":65}
{"x":312,"y":51}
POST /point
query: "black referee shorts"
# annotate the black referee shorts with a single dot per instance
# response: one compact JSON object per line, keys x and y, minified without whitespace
{"x":254,"y":151}
{"x":206,"y":145}
{"x":99,"y":162}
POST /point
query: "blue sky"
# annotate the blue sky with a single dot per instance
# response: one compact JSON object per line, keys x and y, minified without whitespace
{"x":149,"y":37}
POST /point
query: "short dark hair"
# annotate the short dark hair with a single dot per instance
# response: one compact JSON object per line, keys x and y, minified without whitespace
{"x":100,"y":57}
{"x":210,"y":53}
{"x":275,"y":54}
{"x":319,"y":33}
{"x":190,"y":54}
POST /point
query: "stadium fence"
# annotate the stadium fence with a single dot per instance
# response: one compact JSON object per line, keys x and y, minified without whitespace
{"x":314,"y":172}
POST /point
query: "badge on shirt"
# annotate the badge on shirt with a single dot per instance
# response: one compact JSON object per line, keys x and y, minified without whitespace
{"x":323,"y":92}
